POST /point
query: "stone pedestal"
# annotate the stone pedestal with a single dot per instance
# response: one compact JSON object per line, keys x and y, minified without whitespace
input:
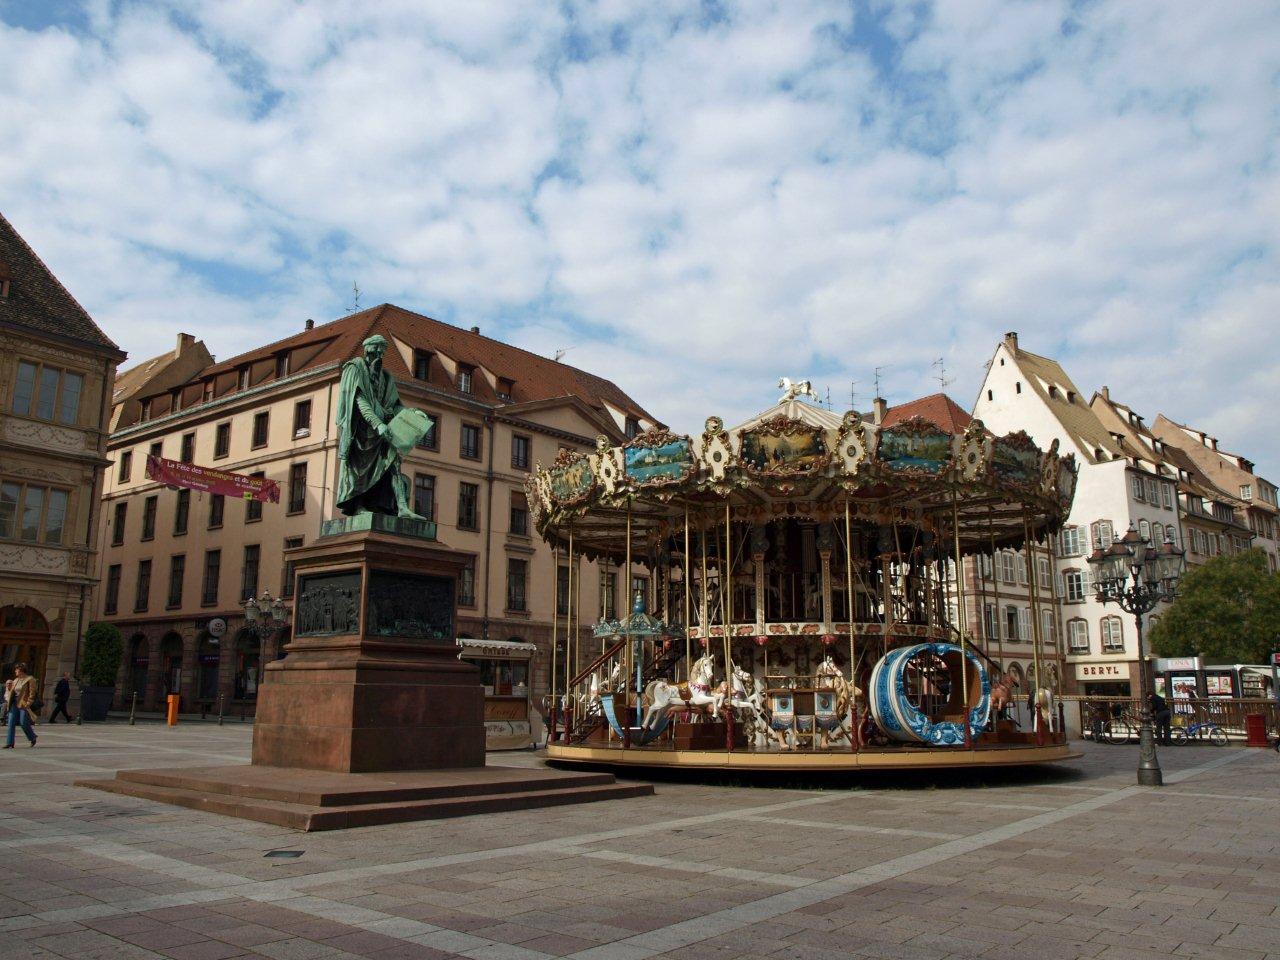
{"x":371,"y":680}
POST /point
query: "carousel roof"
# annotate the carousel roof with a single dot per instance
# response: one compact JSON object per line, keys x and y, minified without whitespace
{"x":792,"y":408}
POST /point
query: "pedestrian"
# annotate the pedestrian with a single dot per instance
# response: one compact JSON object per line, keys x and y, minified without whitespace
{"x":22,"y":694}
{"x":1162,"y":716}
{"x":61,"y":694}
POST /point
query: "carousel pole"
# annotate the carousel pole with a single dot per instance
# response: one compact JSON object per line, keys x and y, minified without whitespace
{"x":628,"y":656}
{"x":688,"y":585}
{"x":726,"y":604}
{"x":1038,"y":720}
{"x":853,"y":658}
{"x":568,"y":646}
{"x":962,"y":616}
{"x":995,"y":584}
{"x":555,"y":624}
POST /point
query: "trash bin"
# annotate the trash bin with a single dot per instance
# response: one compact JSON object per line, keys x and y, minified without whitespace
{"x":1255,"y":730}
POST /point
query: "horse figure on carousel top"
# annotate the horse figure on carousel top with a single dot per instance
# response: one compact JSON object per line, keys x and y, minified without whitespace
{"x":696,"y":694}
{"x":791,"y":389}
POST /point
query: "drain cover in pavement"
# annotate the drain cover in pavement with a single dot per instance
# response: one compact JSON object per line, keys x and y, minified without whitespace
{"x":283,"y":854}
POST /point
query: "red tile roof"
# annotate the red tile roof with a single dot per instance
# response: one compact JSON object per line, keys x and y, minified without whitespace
{"x":937,"y":408}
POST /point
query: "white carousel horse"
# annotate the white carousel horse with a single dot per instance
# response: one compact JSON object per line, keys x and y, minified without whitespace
{"x":795,"y":388}
{"x":664,"y":697}
{"x":1044,"y":710}
{"x":846,"y":695}
{"x":601,"y":684}
{"x":747,"y":695}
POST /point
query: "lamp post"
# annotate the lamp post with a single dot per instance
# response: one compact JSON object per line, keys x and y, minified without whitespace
{"x":1136,"y":576}
{"x":266,"y":616}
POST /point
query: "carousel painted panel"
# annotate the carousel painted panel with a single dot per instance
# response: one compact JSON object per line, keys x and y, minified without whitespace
{"x":1015,"y":460}
{"x":572,"y":481}
{"x":784,"y":446}
{"x":658,"y":461}
{"x":915,"y":447}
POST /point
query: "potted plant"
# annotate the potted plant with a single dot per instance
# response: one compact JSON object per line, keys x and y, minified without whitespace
{"x":103,"y":650}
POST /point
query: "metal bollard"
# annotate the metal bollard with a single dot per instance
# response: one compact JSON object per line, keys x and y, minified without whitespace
{"x":133,"y":709}
{"x":219,"y":709}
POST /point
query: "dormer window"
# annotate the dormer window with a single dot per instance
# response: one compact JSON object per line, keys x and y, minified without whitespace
{"x":465,"y":378}
{"x":146,"y":409}
{"x":282,"y":366}
{"x":421,"y":364}
{"x":633,"y":428}
{"x":505,"y":389}
{"x":243,"y":380}
{"x":1053,"y":391}
{"x":1071,"y":396}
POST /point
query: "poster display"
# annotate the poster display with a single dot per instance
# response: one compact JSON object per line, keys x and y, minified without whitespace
{"x":1219,"y":686}
{"x":1184,"y":689}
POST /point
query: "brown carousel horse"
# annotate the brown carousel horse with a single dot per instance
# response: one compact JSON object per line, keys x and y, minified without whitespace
{"x":1002,"y":693}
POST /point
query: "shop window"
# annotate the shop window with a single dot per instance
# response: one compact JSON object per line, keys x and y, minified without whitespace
{"x":504,"y":678}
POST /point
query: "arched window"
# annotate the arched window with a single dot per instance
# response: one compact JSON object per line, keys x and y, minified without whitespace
{"x":139,"y":658}
{"x":248,"y":664}
{"x":171,"y":664}
{"x":1112,"y":634}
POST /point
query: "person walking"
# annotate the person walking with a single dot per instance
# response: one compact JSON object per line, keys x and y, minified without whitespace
{"x":21,"y":695}
{"x":1162,"y":716}
{"x":61,"y":694}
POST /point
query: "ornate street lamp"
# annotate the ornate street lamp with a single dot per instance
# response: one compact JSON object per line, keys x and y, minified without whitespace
{"x":267,"y":615}
{"x":1136,"y":576}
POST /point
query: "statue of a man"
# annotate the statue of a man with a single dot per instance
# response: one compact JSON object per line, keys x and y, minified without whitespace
{"x":369,"y":477}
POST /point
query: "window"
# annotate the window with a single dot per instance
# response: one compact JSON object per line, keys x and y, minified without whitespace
{"x":424,"y":495}
{"x":126,"y":467}
{"x":282,"y":366}
{"x":242,"y":380}
{"x":47,"y":393}
{"x":467,"y":584}
{"x":632,"y":428}
{"x":517,"y":574}
{"x":1022,"y":568}
{"x":177,"y":567}
{"x":1153,"y":491}
{"x":990,"y":621}
{"x":608,"y":583}
{"x":1135,"y":483}
{"x":253,"y":508}
{"x":156,"y":449}
{"x":261,"y":425}
{"x":984,"y":565}
{"x":1103,"y":535}
{"x":117,"y":523}
{"x":1157,"y":534}
{"x":1166,"y":495}
{"x":465,"y":375}
{"x":142,"y":595}
{"x":421,"y":365}
{"x":222,"y":440}
{"x":1008,"y":566}
{"x":111,"y":598}
{"x":298,"y":487}
{"x":149,"y":517}
{"x":1047,"y":633}
{"x":217,"y":503}
{"x":1017,"y":387}
{"x":519,"y":514}
{"x":1070,"y":542}
{"x":286,"y":578}
{"x":1024,"y":624}
{"x":1112,"y":635}
{"x":302,"y":419}
{"x":562,"y":590}
{"x":470,"y":446}
{"x":1246,"y":491}
{"x":1144,"y":530}
{"x":468,"y":514}
{"x":639,"y":585}
{"x":1078,"y":635}
{"x":1044,"y":576}
{"x":249,"y":572}
{"x":520,"y":451}
{"x":188,"y":448}
{"x":1074,"y":585}
{"x":181,"y":513}
{"x":212,"y":569}
{"x":1012,"y":623}
{"x":31,"y":513}
{"x":990,"y":395}
{"x":431,"y":439}
{"x":505,"y":389}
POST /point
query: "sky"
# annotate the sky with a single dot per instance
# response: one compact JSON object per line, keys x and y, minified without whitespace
{"x":690,"y":198}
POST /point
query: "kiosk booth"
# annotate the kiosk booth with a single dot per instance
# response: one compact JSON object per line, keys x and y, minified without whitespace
{"x":506,"y":666}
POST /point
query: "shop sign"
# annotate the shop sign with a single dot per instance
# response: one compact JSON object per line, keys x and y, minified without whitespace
{"x":1102,"y":671}
{"x":1170,"y":664}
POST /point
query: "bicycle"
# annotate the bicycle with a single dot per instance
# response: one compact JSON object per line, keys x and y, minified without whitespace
{"x":1121,"y":729}
{"x":1202,"y":730}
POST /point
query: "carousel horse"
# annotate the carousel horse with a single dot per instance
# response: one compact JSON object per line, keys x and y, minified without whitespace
{"x":696,"y":694}
{"x":829,"y":675}
{"x":1043,"y":710}
{"x":1002,"y":693}
{"x":747,"y":695}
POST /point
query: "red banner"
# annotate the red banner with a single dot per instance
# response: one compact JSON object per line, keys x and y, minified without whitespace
{"x":175,"y":473}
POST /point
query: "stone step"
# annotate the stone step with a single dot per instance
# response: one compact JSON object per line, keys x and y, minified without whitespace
{"x":310,"y":817}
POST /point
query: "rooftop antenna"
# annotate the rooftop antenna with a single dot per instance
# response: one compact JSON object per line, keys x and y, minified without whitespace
{"x":853,"y":395}
{"x":941,"y":376}
{"x":879,"y":372}
{"x":560,"y":353}
{"x":828,"y":398}
{"x":355,"y":297}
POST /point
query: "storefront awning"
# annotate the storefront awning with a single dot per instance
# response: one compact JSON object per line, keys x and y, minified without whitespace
{"x":504,"y":648}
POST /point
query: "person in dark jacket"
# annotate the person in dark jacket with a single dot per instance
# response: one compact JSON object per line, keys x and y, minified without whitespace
{"x":1163,"y":717}
{"x":61,"y":694}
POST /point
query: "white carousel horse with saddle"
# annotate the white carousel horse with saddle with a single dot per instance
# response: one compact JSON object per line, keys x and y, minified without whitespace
{"x":829,"y":675}
{"x":698,"y":694}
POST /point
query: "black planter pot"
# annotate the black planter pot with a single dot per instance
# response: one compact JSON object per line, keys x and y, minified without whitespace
{"x":95,"y":702}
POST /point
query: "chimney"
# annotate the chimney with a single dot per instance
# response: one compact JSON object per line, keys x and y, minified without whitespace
{"x":309,"y":325}
{"x":475,"y":330}
{"x":1011,"y":341}
{"x":878,"y":409}
{"x":1105,"y":391}
{"x":185,"y":340}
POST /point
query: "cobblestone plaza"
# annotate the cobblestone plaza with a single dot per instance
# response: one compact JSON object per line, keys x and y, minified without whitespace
{"x":1074,"y":862}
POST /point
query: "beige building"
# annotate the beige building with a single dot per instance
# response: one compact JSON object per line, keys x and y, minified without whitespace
{"x":178,"y":565}
{"x":1254,"y":497}
{"x":56,"y":374}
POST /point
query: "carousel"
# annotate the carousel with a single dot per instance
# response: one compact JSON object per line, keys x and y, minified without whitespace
{"x":802,"y":608}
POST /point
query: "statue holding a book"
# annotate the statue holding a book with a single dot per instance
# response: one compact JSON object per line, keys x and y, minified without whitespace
{"x":375,"y":431}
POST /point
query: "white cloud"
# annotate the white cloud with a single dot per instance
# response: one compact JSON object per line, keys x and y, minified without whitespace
{"x":697,"y":203}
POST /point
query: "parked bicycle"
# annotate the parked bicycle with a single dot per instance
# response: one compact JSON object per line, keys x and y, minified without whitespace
{"x":1199,"y":732}
{"x":1121,"y":729}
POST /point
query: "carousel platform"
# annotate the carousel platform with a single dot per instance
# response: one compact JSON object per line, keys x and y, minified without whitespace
{"x":868,"y":760}
{"x":320,"y":800}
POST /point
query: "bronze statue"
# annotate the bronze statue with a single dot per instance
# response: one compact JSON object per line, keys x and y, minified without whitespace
{"x":375,"y":430}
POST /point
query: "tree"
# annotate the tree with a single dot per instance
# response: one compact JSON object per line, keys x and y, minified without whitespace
{"x":103,"y":650}
{"x":1227,"y":611}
